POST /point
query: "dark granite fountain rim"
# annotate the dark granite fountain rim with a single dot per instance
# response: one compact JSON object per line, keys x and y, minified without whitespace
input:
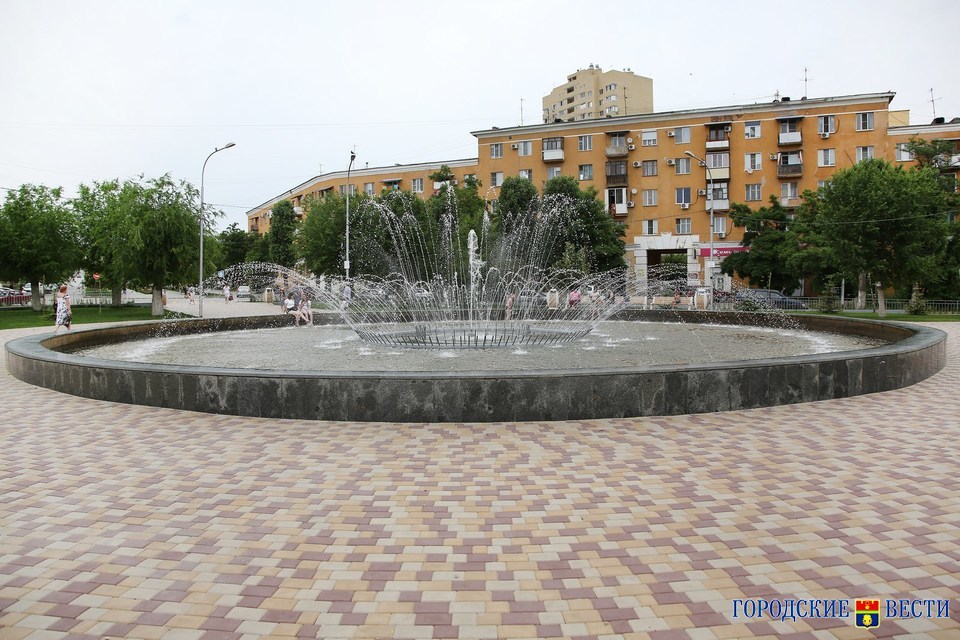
{"x":902,"y":337}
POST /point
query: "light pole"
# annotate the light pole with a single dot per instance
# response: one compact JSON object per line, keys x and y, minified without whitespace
{"x":708,"y":270}
{"x":346,"y":261}
{"x":202,"y":172}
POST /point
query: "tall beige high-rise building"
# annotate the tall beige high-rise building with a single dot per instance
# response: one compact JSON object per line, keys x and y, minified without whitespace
{"x":594,"y":93}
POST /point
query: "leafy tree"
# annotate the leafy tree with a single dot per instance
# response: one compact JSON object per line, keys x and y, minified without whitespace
{"x":589,"y":226}
{"x":104,"y":233}
{"x":933,"y":153}
{"x":236,"y":244}
{"x":283,"y":228}
{"x":443,"y":174}
{"x":771,"y":260}
{"x":321,"y":240}
{"x":41,"y":238}
{"x":259,"y":249}
{"x":516,"y":197}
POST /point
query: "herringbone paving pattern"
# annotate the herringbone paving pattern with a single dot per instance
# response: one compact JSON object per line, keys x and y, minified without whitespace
{"x":132,"y":522}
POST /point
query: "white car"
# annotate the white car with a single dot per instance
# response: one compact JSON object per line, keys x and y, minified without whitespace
{"x":243,"y":292}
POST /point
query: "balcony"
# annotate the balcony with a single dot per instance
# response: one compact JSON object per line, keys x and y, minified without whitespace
{"x":619,"y":209}
{"x":553,"y":155}
{"x":618,"y":151}
{"x":721,"y":204}
{"x":790,"y":137}
{"x":721,"y":145}
{"x":719,"y":173}
{"x":616,"y":179}
{"x":789,"y":170}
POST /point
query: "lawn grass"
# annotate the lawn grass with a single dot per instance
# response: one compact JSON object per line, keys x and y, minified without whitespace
{"x":23,"y":317}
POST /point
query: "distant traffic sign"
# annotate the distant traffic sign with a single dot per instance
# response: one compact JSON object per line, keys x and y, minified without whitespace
{"x":96,"y":276}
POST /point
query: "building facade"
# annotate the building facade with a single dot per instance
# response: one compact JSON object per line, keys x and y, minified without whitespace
{"x":594,"y":93}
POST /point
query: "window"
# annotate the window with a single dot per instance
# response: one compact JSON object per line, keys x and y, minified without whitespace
{"x":681,"y":135}
{"x":649,"y":167}
{"x":552,"y":144}
{"x":649,"y":197}
{"x":683,"y":226}
{"x":865,"y":121}
{"x":526,"y":174}
{"x":553,"y":172}
{"x":584,"y":143}
{"x":496,"y":150}
{"x":822,"y":183}
{"x":751,"y":129}
{"x":368,"y":188}
{"x":416,"y":185}
{"x":617,"y":168}
{"x":718,"y":160}
{"x":754,"y":193}
{"x":496,"y":178}
{"x":789,"y":126}
{"x":469,"y":176}
{"x":586,"y":172}
{"x":826,"y":157}
{"x":826,"y":124}
{"x":789,"y":190}
{"x":864,"y":153}
{"x":720,"y":191}
{"x":903,"y":153}
{"x":683,"y":195}
{"x":618,"y":139}
{"x":649,"y":227}
{"x":648,"y":138}
{"x":524,"y":148}
{"x":753,"y":161}
{"x":683,"y":166}
{"x":353,"y":189}
{"x":720,"y":225}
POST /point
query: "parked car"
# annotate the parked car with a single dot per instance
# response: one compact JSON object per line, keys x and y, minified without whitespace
{"x":243,"y":292}
{"x":769,"y":298}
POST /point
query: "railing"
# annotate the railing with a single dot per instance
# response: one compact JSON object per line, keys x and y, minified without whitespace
{"x":617,"y":151}
{"x":784,"y":170}
{"x":892,"y":304}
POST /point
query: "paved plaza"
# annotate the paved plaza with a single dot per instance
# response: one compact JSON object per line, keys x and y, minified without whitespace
{"x":124,"y":521}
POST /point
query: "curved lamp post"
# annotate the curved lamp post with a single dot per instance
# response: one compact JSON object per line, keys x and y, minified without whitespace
{"x":346,"y":261}
{"x":707,"y":270}
{"x":202,"y":172}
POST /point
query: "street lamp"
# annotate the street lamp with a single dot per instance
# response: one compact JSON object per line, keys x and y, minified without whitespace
{"x":709,"y":273}
{"x":202,"y":172}
{"x":346,"y":261}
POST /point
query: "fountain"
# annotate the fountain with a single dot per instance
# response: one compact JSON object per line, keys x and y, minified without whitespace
{"x":512,"y":347}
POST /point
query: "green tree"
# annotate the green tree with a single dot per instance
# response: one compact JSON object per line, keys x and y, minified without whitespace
{"x":517,"y":196}
{"x":935,"y":153}
{"x":771,"y":260}
{"x":283,"y":228}
{"x":236,"y":244}
{"x":589,"y":225}
{"x":443,"y":174}
{"x":104,"y":233}
{"x":41,"y":238}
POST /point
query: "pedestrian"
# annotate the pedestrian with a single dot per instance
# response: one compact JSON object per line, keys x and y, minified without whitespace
{"x":573,"y":299}
{"x":508,"y":311}
{"x":64,"y":312}
{"x":553,"y":299}
{"x":190,"y":293}
{"x":304,"y":312}
{"x":226,"y":293}
{"x":346,"y":294}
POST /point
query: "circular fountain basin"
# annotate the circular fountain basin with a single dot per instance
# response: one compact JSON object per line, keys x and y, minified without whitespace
{"x":526,"y":384}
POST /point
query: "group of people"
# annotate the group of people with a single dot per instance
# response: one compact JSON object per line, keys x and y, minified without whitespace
{"x":298,"y":305}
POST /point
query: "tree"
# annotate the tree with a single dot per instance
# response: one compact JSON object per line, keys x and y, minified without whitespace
{"x":878,"y":219}
{"x":771,"y":258}
{"x":443,"y":174}
{"x":41,"y":233}
{"x":104,"y":234}
{"x":283,"y":228}
{"x":934,"y":153}
{"x":516,"y":197}
{"x":236,"y":244}
{"x":589,"y":226}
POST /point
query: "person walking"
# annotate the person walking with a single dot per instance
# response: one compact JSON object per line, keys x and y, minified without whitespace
{"x":226,"y":293}
{"x":64,"y":312}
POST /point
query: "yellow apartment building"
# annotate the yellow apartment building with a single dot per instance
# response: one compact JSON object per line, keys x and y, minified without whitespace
{"x":594,"y":93}
{"x":664,"y":175}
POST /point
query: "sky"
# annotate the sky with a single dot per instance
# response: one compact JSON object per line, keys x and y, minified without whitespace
{"x":98,"y":90}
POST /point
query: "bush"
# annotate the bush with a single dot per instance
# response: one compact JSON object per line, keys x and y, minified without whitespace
{"x":917,"y":305}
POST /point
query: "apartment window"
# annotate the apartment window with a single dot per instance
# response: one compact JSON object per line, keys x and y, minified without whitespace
{"x":681,"y":135}
{"x":618,"y":139}
{"x":720,"y":191}
{"x":789,"y":126}
{"x":584,"y":143}
{"x":496,"y":150}
{"x":864,"y":153}
{"x":903,"y":153}
{"x":754,"y":193}
{"x":683,"y":226}
{"x":469,"y":176}
{"x":353,"y":189}
{"x":416,"y":185}
{"x":865,"y":121}
{"x":720,"y":225}
{"x":649,"y":227}
{"x":496,"y":178}
{"x":683,"y":195}
{"x":368,"y":188}
{"x":753,"y":161}
{"x":553,"y":172}
{"x":683,"y":166}
{"x":826,"y":157}
{"x":526,"y":174}
{"x":648,"y":138}
{"x":649,"y":197}
{"x":718,"y":160}
{"x":613,"y":109}
{"x":649,"y":168}
{"x":525,"y":148}
{"x":826,"y":124}
{"x":751,"y":129}
{"x":789,"y":190}
{"x":586,"y":172}
{"x":617,"y":168}
{"x":822,"y":183}
{"x":552,"y":144}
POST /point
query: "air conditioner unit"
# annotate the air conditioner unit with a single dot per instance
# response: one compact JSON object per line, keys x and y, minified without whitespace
{"x":685,"y":206}
{"x":721,"y":235}
{"x":701,"y":192}
{"x":514,"y":146}
{"x":631,"y":147}
{"x":774,"y":156}
{"x":671,"y":133}
{"x":671,"y":162}
{"x":629,"y":140}
{"x":727,"y":129}
{"x":630,"y":204}
{"x":454,"y":182}
{"x":636,"y":164}
{"x":825,"y":135}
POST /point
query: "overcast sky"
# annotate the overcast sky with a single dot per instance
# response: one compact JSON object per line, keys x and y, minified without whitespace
{"x":96,"y":90}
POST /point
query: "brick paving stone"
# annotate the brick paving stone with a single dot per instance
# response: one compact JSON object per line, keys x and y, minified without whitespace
{"x":152,"y":523}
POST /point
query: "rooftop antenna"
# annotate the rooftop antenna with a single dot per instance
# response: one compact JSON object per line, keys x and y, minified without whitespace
{"x":933,"y":103}
{"x":521,"y":112}
{"x":805,"y":79}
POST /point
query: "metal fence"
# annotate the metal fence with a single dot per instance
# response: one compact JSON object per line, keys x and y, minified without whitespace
{"x":893,"y":304}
